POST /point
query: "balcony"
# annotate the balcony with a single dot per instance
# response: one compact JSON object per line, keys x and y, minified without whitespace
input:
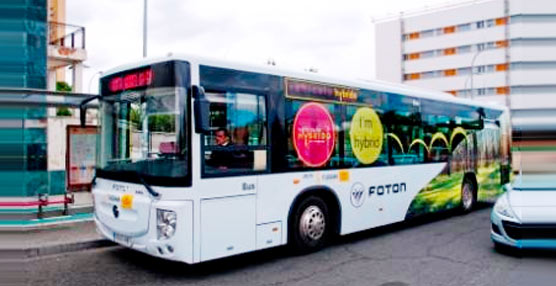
{"x":66,"y":45}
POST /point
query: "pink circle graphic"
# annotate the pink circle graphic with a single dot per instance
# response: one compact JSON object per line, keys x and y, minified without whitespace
{"x":313,"y":134}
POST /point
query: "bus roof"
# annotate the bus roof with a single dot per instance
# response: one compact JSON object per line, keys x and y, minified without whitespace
{"x":374,"y":84}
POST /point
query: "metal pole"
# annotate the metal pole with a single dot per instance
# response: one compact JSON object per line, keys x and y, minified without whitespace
{"x":145,"y":28}
{"x":473,"y":70}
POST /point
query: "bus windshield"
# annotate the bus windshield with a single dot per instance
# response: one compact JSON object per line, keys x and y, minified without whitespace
{"x":142,"y":133}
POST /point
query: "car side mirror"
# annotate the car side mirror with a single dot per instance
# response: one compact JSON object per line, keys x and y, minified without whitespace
{"x":201,"y":110}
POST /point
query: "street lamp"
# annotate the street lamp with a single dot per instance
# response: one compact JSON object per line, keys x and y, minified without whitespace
{"x":91,"y":79}
{"x":145,"y":28}
{"x":473,"y":70}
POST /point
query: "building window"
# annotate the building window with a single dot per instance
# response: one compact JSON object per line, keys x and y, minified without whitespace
{"x":464,"y":27}
{"x":480,"y":24}
{"x":502,"y":44}
{"x":501,"y":67}
{"x":464,"y":71}
{"x":503,"y":90}
{"x":414,"y":76}
{"x":463,"y":49}
{"x":414,"y":36}
{"x":427,"y":34}
{"x":449,"y":30}
{"x":450,"y":72}
{"x":427,"y":54}
{"x":480,"y":47}
{"x":429,"y":74}
{"x":414,"y":56}
{"x":449,"y":51}
{"x":490,"y":23}
{"x":501,"y":21}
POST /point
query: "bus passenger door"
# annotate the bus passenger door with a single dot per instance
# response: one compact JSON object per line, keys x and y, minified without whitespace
{"x":233,"y":152}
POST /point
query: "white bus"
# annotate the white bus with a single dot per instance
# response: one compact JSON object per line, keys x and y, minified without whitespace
{"x":201,"y":159}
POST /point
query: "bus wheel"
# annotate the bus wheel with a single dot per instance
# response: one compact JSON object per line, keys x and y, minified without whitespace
{"x":468,"y":195}
{"x":310,"y":225}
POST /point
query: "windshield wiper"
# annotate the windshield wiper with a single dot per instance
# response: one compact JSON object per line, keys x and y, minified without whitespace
{"x":147,"y":186}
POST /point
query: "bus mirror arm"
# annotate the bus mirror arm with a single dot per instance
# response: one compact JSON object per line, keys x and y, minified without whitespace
{"x":201,"y":110}
{"x":83,"y":108}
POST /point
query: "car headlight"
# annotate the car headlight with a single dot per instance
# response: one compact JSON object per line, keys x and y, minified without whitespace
{"x":502,"y":207}
{"x":165,"y":223}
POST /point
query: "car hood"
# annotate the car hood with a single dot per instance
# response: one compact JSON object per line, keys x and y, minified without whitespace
{"x":533,"y":198}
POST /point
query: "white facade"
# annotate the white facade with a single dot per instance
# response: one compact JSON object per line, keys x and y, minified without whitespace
{"x":493,"y":50}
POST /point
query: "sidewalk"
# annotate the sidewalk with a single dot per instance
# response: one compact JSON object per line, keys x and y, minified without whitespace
{"x":51,"y":240}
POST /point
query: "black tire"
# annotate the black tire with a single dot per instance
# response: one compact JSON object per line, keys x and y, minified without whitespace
{"x":310,"y":225}
{"x":468,"y":195}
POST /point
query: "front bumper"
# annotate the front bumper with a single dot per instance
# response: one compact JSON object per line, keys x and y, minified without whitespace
{"x":179,"y":247}
{"x":514,"y":234}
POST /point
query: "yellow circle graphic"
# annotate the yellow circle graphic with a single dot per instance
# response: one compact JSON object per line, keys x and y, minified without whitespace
{"x":366,"y":135}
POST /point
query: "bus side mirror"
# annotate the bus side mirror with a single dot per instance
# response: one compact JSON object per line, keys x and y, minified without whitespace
{"x":201,"y":110}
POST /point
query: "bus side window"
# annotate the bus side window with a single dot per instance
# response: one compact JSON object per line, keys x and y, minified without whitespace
{"x":237,"y":142}
{"x":406,"y":143}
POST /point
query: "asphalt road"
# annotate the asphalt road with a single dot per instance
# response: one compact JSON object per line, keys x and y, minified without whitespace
{"x":452,"y":251}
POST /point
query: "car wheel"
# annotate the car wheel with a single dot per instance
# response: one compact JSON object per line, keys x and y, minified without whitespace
{"x":310,"y":225}
{"x":468,"y":195}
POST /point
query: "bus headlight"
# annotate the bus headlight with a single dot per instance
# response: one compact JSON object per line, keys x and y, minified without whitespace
{"x":165,"y":223}
{"x":502,"y":207}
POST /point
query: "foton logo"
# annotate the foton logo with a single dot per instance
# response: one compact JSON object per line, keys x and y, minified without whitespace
{"x":388,"y":189}
{"x":357,"y":195}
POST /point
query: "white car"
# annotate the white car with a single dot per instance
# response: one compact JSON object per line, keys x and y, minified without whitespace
{"x":525,"y":215}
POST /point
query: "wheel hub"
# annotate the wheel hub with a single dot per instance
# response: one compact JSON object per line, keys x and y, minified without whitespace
{"x":467,"y":196}
{"x":312,"y":224}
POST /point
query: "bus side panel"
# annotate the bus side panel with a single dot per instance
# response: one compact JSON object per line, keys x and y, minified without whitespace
{"x":369,"y":197}
{"x":489,"y":167}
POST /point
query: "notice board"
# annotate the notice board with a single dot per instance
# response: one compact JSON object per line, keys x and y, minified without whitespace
{"x":80,"y":156}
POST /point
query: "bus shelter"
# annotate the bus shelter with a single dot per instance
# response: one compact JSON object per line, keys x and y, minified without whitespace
{"x":34,"y":139}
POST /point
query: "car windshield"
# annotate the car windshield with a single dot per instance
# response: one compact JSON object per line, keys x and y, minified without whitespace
{"x":536,"y":166}
{"x":535,"y":182}
{"x":143,"y":133}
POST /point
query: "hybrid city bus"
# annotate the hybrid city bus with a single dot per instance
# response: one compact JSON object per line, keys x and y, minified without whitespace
{"x":201,"y":159}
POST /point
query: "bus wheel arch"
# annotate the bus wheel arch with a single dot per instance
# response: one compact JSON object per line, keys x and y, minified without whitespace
{"x":322,"y":199}
{"x":469,"y":192}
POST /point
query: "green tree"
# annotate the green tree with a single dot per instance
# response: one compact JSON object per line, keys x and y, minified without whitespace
{"x":63,"y":87}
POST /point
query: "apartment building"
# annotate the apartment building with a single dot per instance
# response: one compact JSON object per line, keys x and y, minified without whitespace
{"x":500,"y":51}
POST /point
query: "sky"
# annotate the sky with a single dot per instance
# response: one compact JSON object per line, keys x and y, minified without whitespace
{"x":334,"y":37}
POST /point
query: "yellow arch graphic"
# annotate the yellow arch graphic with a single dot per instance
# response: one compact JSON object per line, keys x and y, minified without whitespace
{"x":456,"y":131}
{"x":418,"y":141}
{"x":397,"y":140}
{"x":437,"y":136}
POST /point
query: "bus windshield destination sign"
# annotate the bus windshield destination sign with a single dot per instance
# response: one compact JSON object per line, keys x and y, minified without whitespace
{"x":131,"y":80}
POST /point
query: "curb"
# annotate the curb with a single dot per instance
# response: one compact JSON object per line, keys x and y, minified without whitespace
{"x":46,"y":223}
{"x":35,"y":252}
